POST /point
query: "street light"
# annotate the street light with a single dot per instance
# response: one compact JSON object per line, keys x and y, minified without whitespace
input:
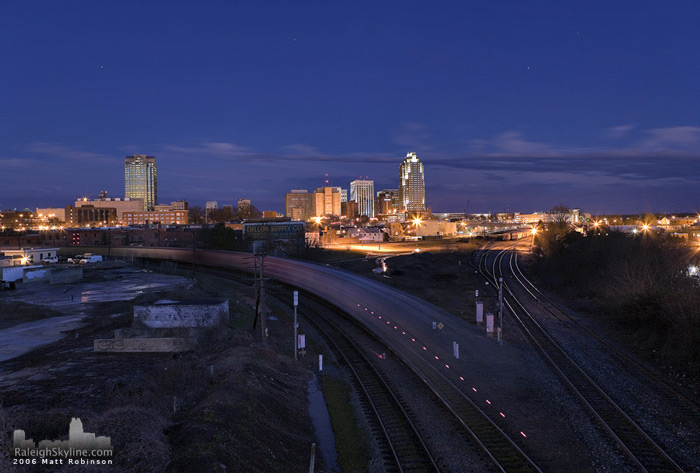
{"x":416,"y":222}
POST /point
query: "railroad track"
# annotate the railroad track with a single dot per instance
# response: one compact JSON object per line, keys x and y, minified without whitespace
{"x":677,"y":400}
{"x":641,"y":450}
{"x":401,"y":445}
{"x":407,"y":450}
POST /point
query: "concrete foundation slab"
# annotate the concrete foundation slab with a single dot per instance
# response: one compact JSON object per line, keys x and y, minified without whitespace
{"x":65,"y":275}
{"x":169,"y":314}
{"x":132,"y":345}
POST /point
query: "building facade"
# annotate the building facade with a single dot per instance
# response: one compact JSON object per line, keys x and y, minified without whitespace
{"x":411,"y":184}
{"x":326,"y":201}
{"x":141,"y":179}
{"x":343,"y":194}
{"x":51,"y":213}
{"x":171,"y":217}
{"x":88,"y":215}
{"x":121,"y":205}
{"x":362,"y":192}
{"x":387,"y":201}
{"x":349,"y":209}
{"x":298,"y":204}
{"x":244,"y":205}
{"x":177,"y":205}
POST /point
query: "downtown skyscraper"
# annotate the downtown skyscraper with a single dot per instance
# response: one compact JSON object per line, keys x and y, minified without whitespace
{"x":141,"y":179}
{"x":362,"y":192}
{"x":411,"y":184}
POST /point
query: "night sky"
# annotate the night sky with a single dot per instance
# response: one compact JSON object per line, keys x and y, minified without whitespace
{"x":511,"y":105}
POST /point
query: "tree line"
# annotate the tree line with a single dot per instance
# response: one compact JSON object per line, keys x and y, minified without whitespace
{"x":645,"y":281}
{"x":200,"y":215}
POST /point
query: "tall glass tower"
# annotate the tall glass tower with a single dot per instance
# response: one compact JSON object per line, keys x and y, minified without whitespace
{"x":362,"y":192}
{"x":141,"y":179}
{"x":411,"y":184}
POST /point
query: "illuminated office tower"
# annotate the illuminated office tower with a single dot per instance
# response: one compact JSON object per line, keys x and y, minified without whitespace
{"x":362,"y":192}
{"x":298,"y":204}
{"x":411,"y":184}
{"x":387,"y":201}
{"x":141,"y":179}
{"x":326,"y":201}
{"x":343,"y":194}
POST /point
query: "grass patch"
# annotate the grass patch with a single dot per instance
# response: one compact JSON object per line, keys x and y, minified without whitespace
{"x":350,"y":442}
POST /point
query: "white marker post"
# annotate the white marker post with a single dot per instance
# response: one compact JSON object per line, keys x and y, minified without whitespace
{"x":479,"y":312}
{"x":296,"y":326}
{"x":455,"y":349}
{"x":320,"y":362}
{"x":301,"y":343}
{"x":489,"y":325}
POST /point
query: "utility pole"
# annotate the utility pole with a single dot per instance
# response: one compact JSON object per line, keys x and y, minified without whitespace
{"x":263,"y":328}
{"x":194,"y":254}
{"x":296,"y":326}
{"x":260,"y":295}
{"x":500,"y":310}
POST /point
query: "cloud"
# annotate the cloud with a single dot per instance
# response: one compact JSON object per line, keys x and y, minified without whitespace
{"x":58,"y":150}
{"x":680,"y":137}
{"x":301,"y":149}
{"x":674,"y":142}
{"x":618,"y":132}
{"x":293,"y":153}
{"x":215,"y":148}
{"x":512,"y":142}
{"x":413,"y":136}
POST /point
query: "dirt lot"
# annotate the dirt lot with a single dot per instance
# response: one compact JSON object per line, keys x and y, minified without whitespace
{"x":218,"y":408}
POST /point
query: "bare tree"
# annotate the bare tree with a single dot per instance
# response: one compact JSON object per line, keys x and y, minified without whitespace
{"x":196,"y":214}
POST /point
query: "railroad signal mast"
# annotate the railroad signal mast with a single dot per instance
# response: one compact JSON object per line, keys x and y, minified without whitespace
{"x":500,"y":310}
{"x":258,"y":270}
{"x":296,"y":326}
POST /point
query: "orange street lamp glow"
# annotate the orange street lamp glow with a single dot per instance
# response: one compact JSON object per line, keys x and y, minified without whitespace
{"x":417,"y":221}
{"x":645,"y":227}
{"x":534,"y":231}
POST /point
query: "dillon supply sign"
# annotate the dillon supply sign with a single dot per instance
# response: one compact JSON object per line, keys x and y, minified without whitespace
{"x":274,"y":230}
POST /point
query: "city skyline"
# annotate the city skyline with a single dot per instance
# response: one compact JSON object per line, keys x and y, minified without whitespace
{"x":511,"y":107}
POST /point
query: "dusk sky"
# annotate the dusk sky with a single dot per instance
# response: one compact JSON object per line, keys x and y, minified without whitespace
{"x":511,"y":105}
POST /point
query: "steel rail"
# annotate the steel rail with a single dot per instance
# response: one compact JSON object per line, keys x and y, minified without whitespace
{"x":680,"y":401}
{"x":408,"y":447}
{"x":506,"y":455}
{"x":638,"y":446}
